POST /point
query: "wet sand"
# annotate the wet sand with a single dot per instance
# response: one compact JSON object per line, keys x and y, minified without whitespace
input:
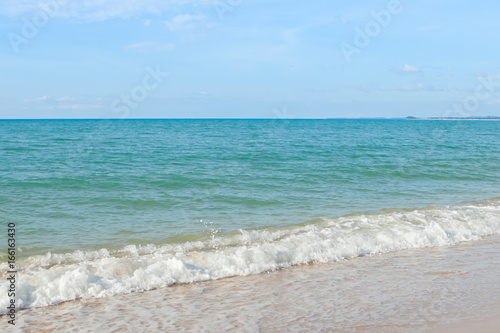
{"x":426,"y":290}
{"x":486,"y":325}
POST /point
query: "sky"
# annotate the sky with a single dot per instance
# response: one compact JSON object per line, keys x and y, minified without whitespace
{"x":249,"y":58}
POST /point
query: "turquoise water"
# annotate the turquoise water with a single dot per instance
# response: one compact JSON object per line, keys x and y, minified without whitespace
{"x":91,"y":184}
{"x":107,"y":207}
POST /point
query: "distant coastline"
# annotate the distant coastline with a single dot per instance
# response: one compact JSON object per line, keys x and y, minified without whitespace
{"x":454,"y":118}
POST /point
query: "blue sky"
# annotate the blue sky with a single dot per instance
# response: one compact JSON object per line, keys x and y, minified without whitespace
{"x":249,"y":58}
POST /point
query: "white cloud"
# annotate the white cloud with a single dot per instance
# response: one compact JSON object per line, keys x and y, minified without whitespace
{"x":95,"y":10}
{"x":419,"y":86}
{"x":184,"y":21}
{"x":65,"y":103}
{"x":39,"y":99}
{"x":17,"y":7}
{"x":71,"y":107}
{"x":65,"y":98}
{"x":410,"y":69}
{"x":49,"y":99}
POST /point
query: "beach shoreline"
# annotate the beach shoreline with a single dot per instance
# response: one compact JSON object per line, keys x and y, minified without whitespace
{"x":423,"y":290}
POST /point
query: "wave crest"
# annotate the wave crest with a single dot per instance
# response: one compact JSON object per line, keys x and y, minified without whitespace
{"x":54,"y":278}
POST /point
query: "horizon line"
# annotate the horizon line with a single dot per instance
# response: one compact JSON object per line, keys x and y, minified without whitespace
{"x":195,"y":118}
{"x":327,"y":118}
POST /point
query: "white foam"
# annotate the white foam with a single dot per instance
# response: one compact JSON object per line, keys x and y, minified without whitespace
{"x":53,"y":278}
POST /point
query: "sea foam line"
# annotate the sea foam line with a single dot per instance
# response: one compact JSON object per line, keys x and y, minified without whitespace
{"x":54,"y":278}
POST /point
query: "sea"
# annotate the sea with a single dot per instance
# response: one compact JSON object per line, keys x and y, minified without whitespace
{"x":103,"y":208}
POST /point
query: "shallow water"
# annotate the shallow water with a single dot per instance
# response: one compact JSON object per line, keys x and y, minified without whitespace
{"x":406,"y":291}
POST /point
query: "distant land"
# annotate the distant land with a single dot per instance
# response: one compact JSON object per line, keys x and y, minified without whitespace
{"x":454,"y":118}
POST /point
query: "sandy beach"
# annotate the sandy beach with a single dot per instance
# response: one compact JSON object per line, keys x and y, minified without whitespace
{"x":452,"y":289}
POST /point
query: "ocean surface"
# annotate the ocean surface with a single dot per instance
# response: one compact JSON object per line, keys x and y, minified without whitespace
{"x":107,"y":207}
